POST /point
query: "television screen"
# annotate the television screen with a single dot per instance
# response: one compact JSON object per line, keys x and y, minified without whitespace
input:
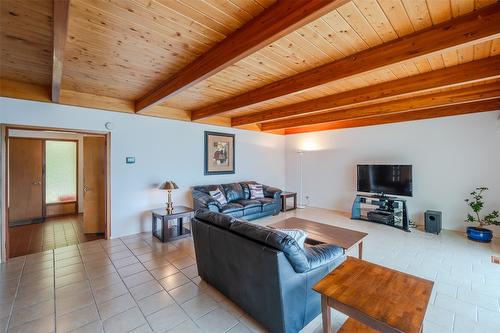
{"x":385,"y":179}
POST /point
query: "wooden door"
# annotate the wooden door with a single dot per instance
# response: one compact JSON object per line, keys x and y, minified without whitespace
{"x":94,"y":184}
{"x":25,"y":179}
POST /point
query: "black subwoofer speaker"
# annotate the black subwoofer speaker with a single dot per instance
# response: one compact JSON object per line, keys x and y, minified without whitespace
{"x":433,"y":221}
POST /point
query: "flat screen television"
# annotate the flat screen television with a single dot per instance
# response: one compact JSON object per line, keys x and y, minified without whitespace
{"x":385,"y":179}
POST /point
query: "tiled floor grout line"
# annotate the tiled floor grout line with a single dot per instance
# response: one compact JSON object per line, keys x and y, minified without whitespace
{"x":218,"y":303}
{"x":54,"y":275}
{"x":476,"y":278}
{"x":128,"y":289}
{"x":91,"y":289}
{"x":163,"y":288}
{"x":15,"y":295}
{"x":90,"y":284}
{"x":180,"y":305}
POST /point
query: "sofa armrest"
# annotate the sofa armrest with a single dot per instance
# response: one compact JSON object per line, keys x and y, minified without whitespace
{"x":318,"y":255}
{"x":203,"y":200}
{"x":271,"y":192}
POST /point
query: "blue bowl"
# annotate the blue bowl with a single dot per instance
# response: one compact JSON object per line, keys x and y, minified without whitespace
{"x":479,"y":234}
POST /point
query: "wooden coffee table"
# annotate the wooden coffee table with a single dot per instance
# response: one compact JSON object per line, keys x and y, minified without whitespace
{"x":376,"y":298}
{"x":324,"y":233}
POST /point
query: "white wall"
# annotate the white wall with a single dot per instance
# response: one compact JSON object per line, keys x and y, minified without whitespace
{"x":164,"y":149}
{"x":450,"y":157}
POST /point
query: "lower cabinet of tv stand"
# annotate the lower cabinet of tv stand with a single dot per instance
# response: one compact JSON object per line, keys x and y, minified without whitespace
{"x":381,"y":209}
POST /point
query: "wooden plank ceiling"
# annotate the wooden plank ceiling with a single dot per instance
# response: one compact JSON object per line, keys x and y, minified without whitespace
{"x":319,"y":65}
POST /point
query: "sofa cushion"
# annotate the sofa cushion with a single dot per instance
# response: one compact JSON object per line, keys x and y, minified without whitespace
{"x":297,"y":234}
{"x":251,"y":206}
{"x":253,"y":210}
{"x":218,"y":219}
{"x":231,"y":207}
{"x":203,"y":200}
{"x":249,"y":203}
{"x":266,"y":201}
{"x":246,"y":190}
{"x":256,"y":191}
{"x":219,"y":196}
{"x":320,"y":254}
{"x":275,"y":239}
{"x":207,"y":188}
{"x":268,"y":204}
{"x":233,"y":191}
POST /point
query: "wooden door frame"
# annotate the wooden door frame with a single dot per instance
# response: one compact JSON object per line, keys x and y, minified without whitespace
{"x":4,"y":218}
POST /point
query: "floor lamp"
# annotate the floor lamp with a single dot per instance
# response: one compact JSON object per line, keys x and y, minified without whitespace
{"x":300,"y":154}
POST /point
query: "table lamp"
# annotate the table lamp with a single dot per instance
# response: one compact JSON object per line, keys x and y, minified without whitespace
{"x":169,"y":186}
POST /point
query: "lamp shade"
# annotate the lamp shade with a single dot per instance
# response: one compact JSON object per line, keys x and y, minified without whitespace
{"x":168,"y":185}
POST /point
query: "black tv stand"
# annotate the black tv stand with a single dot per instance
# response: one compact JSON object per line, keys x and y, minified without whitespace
{"x":381,"y":209}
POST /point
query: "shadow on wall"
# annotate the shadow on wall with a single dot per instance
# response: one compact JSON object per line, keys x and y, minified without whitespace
{"x":188,"y":197}
{"x":145,"y":218}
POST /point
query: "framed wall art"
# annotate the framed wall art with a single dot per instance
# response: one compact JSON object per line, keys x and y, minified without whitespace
{"x":219,"y":153}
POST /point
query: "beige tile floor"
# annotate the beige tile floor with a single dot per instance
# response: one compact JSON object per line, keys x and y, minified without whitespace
{"x":137,"y":284}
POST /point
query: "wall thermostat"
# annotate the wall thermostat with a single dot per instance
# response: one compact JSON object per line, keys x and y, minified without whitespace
{"x":130,"y":160}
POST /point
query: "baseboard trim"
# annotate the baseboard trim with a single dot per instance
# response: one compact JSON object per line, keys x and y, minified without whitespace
{"x":26,"y":222}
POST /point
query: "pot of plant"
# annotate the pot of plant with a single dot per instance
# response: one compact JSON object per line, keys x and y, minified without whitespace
{"x":476,"y":203}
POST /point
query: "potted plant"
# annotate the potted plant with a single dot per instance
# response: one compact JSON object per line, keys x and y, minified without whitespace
{"x":476,"y":203}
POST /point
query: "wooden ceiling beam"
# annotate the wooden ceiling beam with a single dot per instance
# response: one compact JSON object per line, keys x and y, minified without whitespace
{"x":273,"y":23}
{"x":472,"y":28}
{"x":435,"y":112}
{"x":472,"y":71}
{"x":60,"y":21}
{"x":460,"y":95}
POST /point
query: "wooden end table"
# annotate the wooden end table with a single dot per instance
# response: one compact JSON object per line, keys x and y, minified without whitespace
{"x":324,"y":233}
{"x":286,"y":195}
{"x":171,"y":225}
{"x":376,"y":298}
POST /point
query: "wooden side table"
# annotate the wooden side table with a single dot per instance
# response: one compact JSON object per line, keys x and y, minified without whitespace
{"x":286,"y":195}
{"x":376,"y":298}
{"x":171,"y":225}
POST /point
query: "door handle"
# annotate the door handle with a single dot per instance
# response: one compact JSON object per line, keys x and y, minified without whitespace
{"x":38,"y":182}
{"x":85,"y":188}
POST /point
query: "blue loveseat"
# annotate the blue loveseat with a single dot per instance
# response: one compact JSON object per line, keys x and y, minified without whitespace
{"x":239,"y":204}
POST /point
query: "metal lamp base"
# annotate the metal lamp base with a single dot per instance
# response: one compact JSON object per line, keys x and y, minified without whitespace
{"x":170,"y":204}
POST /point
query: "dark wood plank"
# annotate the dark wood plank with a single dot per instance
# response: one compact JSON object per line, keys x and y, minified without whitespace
{"x":324,"y":233}
{"x":467,"y":94}
{"x":382,"y":298}
{"x":471,"y":71}
{"x":428,"y":113}
{"x":478,"y":26}
{"x":277,"y":21}
{"x":61,"y":12}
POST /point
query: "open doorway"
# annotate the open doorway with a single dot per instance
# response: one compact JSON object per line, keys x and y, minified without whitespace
{"x":56,"y":189}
